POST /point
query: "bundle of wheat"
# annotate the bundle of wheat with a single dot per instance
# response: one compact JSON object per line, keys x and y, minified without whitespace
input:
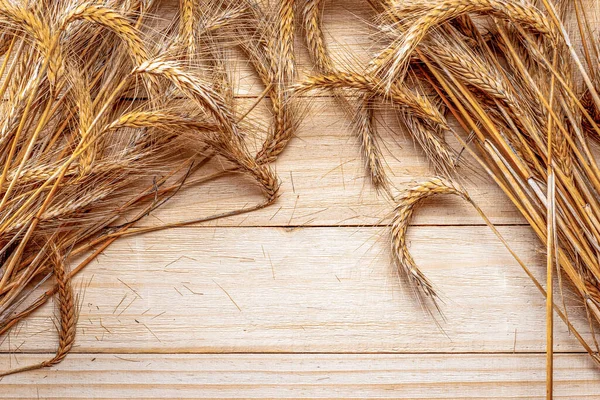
{"x":507,"y":74}
{"x":104,"y":118}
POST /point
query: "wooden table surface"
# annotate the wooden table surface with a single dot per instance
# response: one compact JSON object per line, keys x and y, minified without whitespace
{"x":300,"y":300}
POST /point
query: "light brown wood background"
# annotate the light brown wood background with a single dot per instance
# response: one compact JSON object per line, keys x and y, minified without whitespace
{"x":300,"y":300}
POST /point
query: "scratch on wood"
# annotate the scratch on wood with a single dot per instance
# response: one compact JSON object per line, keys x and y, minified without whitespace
{"x":246,"y":259}
{"x":172,"y":262}
{"x":105,"y":328}
{"x":121,"y":302}
{"x":128,"y":305}
{"x":292,"y":179}
{"x":314,"y":213}
{"x":343,"y":178}
{"x":126,"y":359}
{"x":333,"y":169}
{"x":293,"y":210}
{"x":228,"y":295}
{"x":159,"y":220}
{"x":19,"y":328}
{"x":150,"y":330}
{"x":158,"y":315}
{"x":18,"y":348}
{"x":272,"y":267}
{"x":276,"y":212}
{"x":191,"y":291}
{"x":130,"y":288}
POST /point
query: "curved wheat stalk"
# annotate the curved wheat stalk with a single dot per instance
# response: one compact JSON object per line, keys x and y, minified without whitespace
{"x":195,"y":89}
{"x":406,"y":205}
{"x":392,"y":62}
{"x":68,"y":318}
{"x":112,"y":20}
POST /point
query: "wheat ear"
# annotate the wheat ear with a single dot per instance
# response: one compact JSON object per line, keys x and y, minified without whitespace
{"x":67,"y":309}
{"x":407,"y":203}
{"x":400,"y":95}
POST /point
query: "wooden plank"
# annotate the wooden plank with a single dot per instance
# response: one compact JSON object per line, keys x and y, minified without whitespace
{"x":323,"y":181}
{"x":295,"y":376}
{"x":305,"y":290}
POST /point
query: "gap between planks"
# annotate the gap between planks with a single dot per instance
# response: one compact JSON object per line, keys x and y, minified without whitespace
{"x":298,"y":353}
